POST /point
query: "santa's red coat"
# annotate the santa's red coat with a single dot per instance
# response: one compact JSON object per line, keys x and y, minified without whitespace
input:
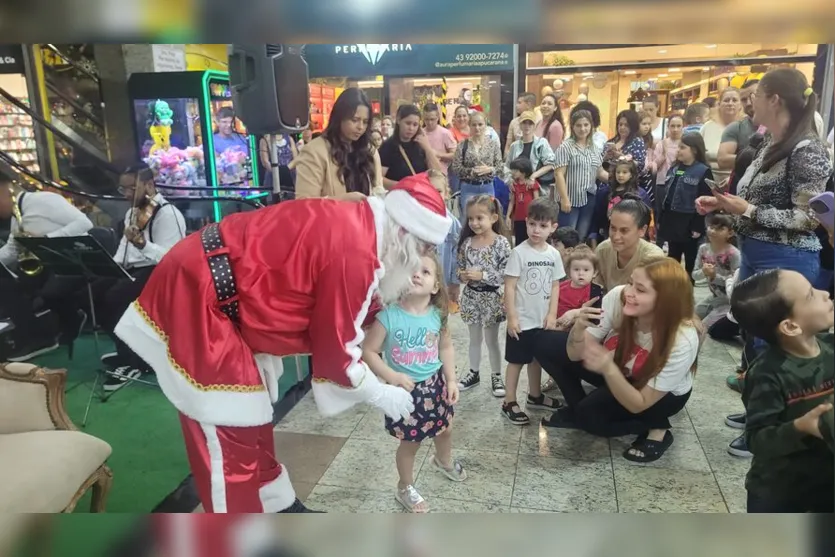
{"x":305,"y":271}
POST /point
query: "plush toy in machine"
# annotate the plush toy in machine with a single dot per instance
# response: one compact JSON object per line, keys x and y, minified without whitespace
{"x":232,"y":169}
{"x":160,"y":119}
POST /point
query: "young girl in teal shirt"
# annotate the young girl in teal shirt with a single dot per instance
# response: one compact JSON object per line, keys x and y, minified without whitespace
{"x":417,"y":355}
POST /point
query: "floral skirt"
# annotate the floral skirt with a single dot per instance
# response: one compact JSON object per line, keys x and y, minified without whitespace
{"x":432,"y":412}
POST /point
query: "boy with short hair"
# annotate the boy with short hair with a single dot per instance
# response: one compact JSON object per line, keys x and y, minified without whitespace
{"x":565,"y":239}
{"x":788,"y":392}
{"x":532,"y":280}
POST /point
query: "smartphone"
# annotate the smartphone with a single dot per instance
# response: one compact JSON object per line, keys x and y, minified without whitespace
{"x":714,"y":186}
{"x":824,"y":207}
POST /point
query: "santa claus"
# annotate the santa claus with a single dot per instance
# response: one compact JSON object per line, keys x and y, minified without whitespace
{"x":228,"y":302}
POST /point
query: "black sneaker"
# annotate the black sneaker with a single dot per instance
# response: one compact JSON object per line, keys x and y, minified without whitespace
{"x":514,"y":414}
{"x":497,"y":385}
{"x":739,"y":447}
{"x":120,"y":377}
{"x":469,"y":381}
{"x":112,"y":361}
{"x":298,"y":507}
{"x":29,"y":350}
{"x":736,"y":421}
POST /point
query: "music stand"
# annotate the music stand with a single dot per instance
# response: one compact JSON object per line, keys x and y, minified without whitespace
{"x":80,"y":256}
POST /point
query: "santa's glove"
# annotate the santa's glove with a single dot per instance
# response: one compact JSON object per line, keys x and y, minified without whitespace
{"x":396,"y":402}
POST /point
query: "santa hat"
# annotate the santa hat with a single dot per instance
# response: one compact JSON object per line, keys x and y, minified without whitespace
{"x":416,"y":205}
{"x":476,"y":108}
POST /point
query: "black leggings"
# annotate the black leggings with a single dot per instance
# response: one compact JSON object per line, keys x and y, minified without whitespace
{"x":112,"y":298}
{"x":689,"y":249}
{"x":723,"y":330}
{"x":520,"y":231}
{"x":598,"y":413}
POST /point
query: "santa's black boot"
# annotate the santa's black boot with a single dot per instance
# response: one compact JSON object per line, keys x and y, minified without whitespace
{"x":298,"y":507}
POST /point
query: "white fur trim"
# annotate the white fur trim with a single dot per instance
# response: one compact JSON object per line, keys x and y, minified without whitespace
{"x":271,"y":368}
{"x":332,"y":399}
{"x":417,"y":219}
{"x":216,"y":472}
{"x":278,"y":494}
{"x":220,"y":408}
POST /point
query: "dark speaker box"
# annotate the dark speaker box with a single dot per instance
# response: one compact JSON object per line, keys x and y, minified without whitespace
{"x":269,"y":87}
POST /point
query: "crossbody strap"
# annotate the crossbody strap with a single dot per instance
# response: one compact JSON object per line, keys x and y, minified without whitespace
{"x":406,"y":158}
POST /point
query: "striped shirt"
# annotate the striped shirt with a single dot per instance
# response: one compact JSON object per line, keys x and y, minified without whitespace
{"x":581,"y":166}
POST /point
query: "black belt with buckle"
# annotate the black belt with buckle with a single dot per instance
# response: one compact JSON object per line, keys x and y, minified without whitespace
{"x":225,"y":288}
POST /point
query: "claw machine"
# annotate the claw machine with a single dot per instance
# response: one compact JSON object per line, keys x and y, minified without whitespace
{"x":187,"y":132}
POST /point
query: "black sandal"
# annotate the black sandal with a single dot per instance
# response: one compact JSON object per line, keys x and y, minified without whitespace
{"x":561,"y":419}
{"x":543,"y":402}
{"x":514,"y":414}
{"x":652,"y":450}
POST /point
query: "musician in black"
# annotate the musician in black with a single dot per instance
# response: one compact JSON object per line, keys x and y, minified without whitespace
{"x":42,"y":214}
{"x":152,"y":227}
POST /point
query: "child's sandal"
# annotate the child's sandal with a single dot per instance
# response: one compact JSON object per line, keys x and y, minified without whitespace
{"x":409,"y":498}
{"x":456,"y":473}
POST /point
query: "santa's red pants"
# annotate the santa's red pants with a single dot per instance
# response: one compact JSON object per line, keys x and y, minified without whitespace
{"x":235,"y":468}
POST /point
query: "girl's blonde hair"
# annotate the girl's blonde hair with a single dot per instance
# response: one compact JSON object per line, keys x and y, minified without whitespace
{"x":439,"y":299}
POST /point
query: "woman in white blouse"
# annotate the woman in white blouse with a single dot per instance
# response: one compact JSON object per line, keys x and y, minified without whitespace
{"x":730,"y":105}
{"x":640,"y":352}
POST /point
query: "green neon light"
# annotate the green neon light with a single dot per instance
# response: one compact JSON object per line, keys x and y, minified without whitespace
{"x":211,"y":172}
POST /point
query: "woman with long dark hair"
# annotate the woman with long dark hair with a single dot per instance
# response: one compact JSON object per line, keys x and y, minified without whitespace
{"x":551,"y":128}
{"x":628,"y":140}
{"x":341,"y":163}
{"x":407,"y":152}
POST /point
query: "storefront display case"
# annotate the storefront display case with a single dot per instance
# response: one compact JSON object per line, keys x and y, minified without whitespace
{"x":188,"y":134}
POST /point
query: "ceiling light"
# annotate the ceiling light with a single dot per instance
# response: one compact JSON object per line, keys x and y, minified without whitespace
{"x":662,"y":75}
{"x":662,"y":52}
{"x":710,"y":46}
{"x":706,"y":69}
{"x":589,"y":74}
{"x":630,"y":72}
{"x":674,"y":70}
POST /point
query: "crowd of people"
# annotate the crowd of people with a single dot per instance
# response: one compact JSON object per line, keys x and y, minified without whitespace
{"x":590,"y":268}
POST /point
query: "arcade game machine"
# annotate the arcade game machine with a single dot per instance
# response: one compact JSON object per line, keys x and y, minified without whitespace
{"x":188,"y":134}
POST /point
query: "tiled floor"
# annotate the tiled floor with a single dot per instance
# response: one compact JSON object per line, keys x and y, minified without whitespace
{"x":346,"y":464}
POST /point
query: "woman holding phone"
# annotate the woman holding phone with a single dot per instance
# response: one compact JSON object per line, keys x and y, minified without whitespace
{"x":640,"y":352}
{"x":774,"y":224}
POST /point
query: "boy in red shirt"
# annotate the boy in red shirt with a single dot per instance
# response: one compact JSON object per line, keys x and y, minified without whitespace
{"x":523,"y":191}
{"x":581,"y":265}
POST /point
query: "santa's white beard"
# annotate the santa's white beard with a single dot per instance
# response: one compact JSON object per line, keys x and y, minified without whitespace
{"x":401,"y":260}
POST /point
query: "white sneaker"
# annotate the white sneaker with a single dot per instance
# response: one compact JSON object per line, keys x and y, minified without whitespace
{"x":498,"y":386}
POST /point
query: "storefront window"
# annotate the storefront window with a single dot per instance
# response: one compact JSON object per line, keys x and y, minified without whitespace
{"x":674,"y":87}
{"x":17,"y":134}
{"x":484,"y":91}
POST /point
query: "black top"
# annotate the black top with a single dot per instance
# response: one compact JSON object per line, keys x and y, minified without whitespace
{"x":392,"y":158}
{"x":526,"y":150}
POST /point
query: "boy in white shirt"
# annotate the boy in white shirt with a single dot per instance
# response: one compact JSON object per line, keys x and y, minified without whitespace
{"x":532,"y":288}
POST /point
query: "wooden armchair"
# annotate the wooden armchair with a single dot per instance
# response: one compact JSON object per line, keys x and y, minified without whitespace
{"x":46,"y":464}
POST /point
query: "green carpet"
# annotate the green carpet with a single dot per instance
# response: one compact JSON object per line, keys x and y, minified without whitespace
{"x":141,"y":426}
